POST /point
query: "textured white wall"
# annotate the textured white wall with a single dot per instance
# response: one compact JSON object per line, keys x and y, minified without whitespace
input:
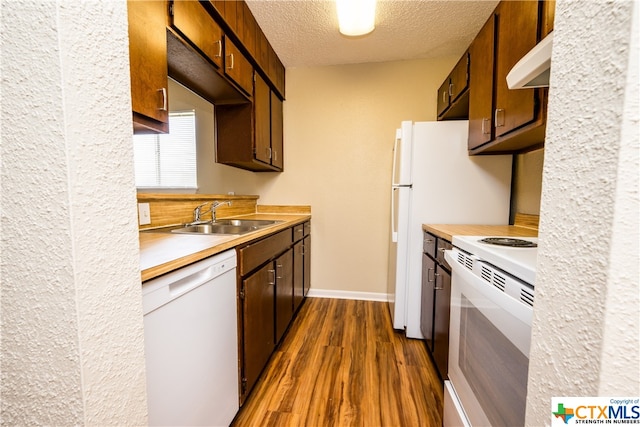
{"x":72,"y":339}
{"x":585,"y":328}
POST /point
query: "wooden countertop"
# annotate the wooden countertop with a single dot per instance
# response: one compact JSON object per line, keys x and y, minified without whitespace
{"x":162,"y":251}
{"x":447,"y":231}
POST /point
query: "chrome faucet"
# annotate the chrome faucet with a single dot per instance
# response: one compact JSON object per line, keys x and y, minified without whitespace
{"x":198,"y":211}
{"x":215,"y":205}
{"x":197,"y":214}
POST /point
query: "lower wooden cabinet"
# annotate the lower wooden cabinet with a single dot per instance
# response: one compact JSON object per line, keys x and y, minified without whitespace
{"x":284,"y":292}
{"x":307,"y":264}
{"x":298,"y":274}
{"x":441,"y":313}
{"x":273,"y":273}
{"x":436,"y":301}
{"x":301,"y":263}
{"x":256,"y":296}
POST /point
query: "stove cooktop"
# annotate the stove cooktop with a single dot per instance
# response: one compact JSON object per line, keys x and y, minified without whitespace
{"x":509,"y":241}
{"x":518,"y":261}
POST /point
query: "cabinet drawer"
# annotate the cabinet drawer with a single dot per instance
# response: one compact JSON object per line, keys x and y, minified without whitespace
{"x":298,"y":232}
{"x":301,"y":230}
{"x":255,"y":254}
{"x":429,"y":244}
{"x":443,"y":245}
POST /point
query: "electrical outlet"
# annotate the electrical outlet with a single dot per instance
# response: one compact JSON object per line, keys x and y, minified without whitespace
{"x":144,"y":214}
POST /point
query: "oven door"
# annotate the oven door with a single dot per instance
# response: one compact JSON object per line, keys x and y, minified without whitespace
{"x":490,"y":337}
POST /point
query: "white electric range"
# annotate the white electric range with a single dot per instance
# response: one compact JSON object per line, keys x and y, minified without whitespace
{"x":519,"y":261}
{"x":492,"y":297}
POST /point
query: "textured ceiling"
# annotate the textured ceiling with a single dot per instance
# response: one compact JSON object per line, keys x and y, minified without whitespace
{"x":305,"y":32}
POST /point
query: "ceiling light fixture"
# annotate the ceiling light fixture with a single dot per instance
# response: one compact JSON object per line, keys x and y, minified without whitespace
{"x":356,"y":17}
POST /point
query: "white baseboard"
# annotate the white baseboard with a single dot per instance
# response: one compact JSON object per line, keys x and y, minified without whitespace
{"x":364,"y":296}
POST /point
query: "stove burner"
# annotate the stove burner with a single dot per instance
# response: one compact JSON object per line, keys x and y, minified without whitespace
{"x":506,"y":241}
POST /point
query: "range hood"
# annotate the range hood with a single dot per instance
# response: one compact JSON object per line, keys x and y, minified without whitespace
{"x":534,"y":68}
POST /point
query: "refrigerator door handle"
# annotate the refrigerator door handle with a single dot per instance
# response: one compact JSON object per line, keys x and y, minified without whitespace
{"x":395,"y":161}
{"x":394,"y":231}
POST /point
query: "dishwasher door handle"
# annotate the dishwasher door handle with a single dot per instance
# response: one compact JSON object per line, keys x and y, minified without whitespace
{"x":166,"y":288}
{"x":192,"y":281}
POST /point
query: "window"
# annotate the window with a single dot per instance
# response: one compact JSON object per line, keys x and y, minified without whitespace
{"x":168,"y":160}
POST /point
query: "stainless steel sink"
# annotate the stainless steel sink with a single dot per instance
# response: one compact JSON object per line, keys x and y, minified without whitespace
{"x":226,"y":226}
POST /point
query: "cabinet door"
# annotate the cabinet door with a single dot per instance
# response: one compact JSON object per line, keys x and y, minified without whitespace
{"x":148,"y":61}
{"x":427,"y":299}
{"x":307,"y":264}
{"x":517,"y":31}
{"x":441,"y":320}
{"x":262,"y":50}
{"x":459,"y":78}
{"x":277,"y":137}
{"x":481,"y":85}
{"x":284,"y":292}
{"x":237,"y":67}
{"x":258,"y":322}
{"x":443,"y":96}
{"x":262,"y":120}
{"x":249,"y":30}
{"x":547,"y":17}
{"x":195,"y":23}
{"x":298,"y":274}
{"x":230,"y":13}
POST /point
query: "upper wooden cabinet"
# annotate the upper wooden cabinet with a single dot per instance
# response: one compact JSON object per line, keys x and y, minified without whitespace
{"x":517,"y":32}
{"x":277,"y":132}
{"x":249,"y":30}
{"x":148,"y":65}
{"x":453,"y":101}
{"x":481,"y":83}
{"x":237,"y":67}
{"x":501,"y":120}
{"x":195,"y":24}
{"x":247,"y":35}
{"x":547,"y":17}
{"x":251,"y":136}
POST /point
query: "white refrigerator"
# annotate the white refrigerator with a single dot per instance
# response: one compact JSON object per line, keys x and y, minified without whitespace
{"x":435,"y":181}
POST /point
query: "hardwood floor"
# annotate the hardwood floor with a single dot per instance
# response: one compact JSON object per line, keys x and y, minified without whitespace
{"x":342,"y":364}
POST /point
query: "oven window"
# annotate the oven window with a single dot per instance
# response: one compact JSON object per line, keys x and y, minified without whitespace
{"x":494,"y":368}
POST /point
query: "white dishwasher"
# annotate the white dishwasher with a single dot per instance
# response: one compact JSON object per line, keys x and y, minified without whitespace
{"x":191,"y":344}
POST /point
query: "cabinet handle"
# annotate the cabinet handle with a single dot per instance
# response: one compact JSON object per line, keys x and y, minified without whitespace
{"x":278,"y":266}
{"x":163,"y":91}
{"x":275,"y":155}
{"x":486,"y":129}
{"x":499,"y":113}
{"x":444,"y":96}
{"x":436,"y":287}
{"x":231,"y":67}
{"x":272,"y":277}
{"x":269,"y":152}
{"x":429,"y":270}
{"x":219,"y":43}
{"x":450,"y":89}
{"x":302,"y":249}
{"x":428,"y":240}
